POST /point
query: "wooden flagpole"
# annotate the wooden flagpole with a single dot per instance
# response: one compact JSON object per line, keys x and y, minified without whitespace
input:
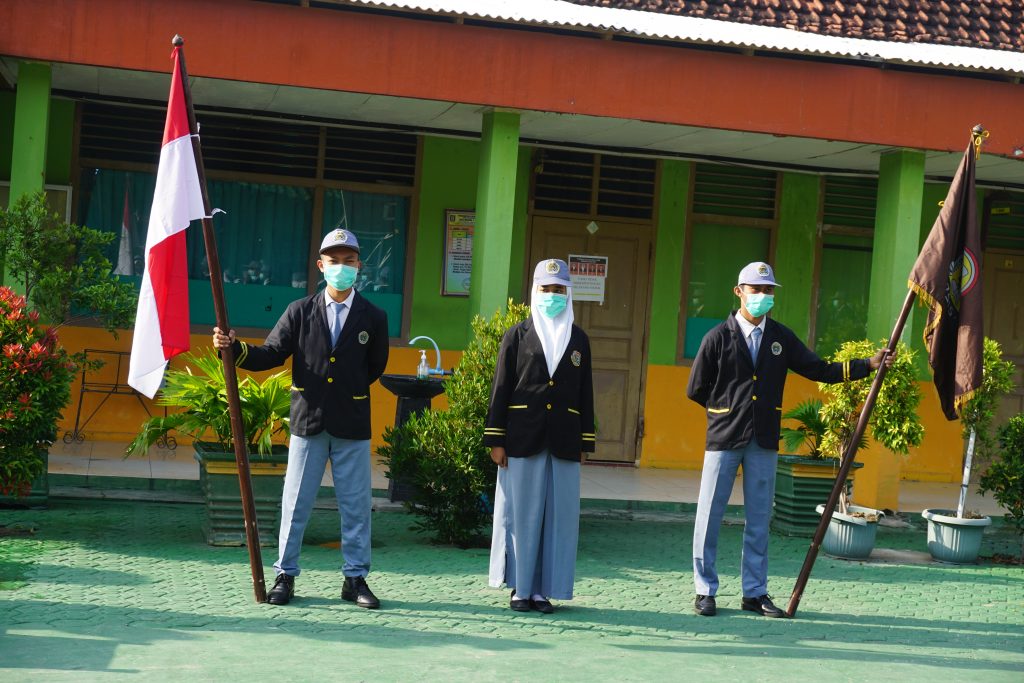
{"x":848,"y":457}
{"x":252,"y":534}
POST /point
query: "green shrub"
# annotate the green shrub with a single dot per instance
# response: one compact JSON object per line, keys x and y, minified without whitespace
{"x":441,"y":453}
{"x":980,"y":411}
{"x":894,"y":421}
{"x":1005,"y":475}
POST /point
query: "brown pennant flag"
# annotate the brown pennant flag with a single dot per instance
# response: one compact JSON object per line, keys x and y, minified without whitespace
{"x":947,"y":278}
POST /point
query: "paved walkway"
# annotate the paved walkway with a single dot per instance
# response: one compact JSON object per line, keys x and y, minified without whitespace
{"x":114,"y":590}
{"x":105,"y":460}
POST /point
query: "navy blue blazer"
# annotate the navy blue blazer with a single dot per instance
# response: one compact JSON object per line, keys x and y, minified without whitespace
{"x":330,"y":385}
{"x":743,"y":399}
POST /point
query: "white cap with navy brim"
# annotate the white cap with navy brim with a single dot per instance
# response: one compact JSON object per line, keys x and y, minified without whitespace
{"x":757,"y":273}
{"x":339,"y":237}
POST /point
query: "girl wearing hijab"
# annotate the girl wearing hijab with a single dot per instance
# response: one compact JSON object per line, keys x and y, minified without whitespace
{"x":540,"y":422}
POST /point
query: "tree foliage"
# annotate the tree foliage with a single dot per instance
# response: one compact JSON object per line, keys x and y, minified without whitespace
{"x":62,"y":268}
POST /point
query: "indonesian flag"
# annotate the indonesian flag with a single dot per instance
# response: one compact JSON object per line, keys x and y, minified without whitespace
{"x":161,"y":322}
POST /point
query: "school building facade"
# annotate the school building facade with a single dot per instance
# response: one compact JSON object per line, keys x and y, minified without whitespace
{"x":679,"y":143}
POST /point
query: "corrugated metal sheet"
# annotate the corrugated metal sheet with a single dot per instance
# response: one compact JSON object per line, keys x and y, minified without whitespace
{"x":556,"y":13}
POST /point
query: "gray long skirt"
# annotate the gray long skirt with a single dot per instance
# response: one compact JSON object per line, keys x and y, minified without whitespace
{"x":536,"y":526}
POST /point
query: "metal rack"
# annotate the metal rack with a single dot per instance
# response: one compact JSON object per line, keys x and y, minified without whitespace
{"x":108,"y":384}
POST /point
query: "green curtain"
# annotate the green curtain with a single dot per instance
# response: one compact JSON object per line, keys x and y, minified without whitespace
{"x":262,"y":239}
{"x":842,"y":294}
{"x":380,"y":221}
{"x":103,"y":194}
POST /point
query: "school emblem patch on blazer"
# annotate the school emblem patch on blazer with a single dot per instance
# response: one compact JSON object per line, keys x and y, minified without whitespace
{"x":364,"y":337}
{"x":776,"y":348}
{"x":576,"y":357}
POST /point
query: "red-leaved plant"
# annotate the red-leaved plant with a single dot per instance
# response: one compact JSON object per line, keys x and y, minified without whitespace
{"x":35,"y":383}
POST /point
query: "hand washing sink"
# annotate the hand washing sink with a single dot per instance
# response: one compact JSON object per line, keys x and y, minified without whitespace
{"x":408,"y":386}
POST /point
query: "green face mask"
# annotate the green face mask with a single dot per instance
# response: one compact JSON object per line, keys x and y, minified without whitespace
{"x":340,"y":276}
{"x":759,"y":304}
{"x":550,"y":303}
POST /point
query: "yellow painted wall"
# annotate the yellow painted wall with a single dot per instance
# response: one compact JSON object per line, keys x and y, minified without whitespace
{"x":675,"y":429}
{"x":121,"y":416}
{"x":675,"y":425}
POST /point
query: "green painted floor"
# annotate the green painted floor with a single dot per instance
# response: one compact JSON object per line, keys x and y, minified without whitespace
{"x":116,"y":590}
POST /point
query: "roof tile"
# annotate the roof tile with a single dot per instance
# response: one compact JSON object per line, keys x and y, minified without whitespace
{"x":994,"y":24}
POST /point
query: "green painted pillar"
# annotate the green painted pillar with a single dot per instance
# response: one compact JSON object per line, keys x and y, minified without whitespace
{"x":28,"y":146}
{"x":495,"y":213}
{"x":673,"y":190}
{"x":794,"y":251}
{"x":517,"y":255}
{"x":31,"y":123}
{"x":897,"y":240}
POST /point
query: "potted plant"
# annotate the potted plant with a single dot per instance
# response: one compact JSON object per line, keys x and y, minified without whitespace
{"x":204,"y":416}
{"x":1004,"y":477}
{"x":441,"y":453}
{"x":954,"y":535}
{"x":802,"y":480}
{"x":60,"y":270}
{"x":894,"y":424}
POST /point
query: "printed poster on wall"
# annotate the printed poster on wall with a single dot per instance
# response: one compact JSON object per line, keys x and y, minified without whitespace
{"x":458,"y":252}
{"x":588,"y":274}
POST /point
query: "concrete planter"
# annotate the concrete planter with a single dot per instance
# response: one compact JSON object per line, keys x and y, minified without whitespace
{"x":218,"y":479}
{"x":954,"y":539}
{"x":850,"y":537}
{"x":800,"y":484}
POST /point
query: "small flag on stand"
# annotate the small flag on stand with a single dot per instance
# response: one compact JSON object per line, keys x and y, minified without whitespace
{"x":162,"y":321}
{"x":125,"y":264}
{"x":947,"y":278}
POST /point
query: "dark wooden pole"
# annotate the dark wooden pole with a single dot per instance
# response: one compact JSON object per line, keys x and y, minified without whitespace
{"x":848,"y":457}
{"x":252,"y":533}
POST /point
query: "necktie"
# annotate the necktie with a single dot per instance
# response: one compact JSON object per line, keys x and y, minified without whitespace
{"x":755,"y":342}
{"x":337,"y":308}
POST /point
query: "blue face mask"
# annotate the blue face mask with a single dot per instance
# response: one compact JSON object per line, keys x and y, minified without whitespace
{"x":340,"y":276}
{"x":759,"y":304}
{"x":550,"y":303}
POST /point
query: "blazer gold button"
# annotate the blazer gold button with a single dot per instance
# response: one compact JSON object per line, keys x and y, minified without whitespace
{"x":549,"y":406}
{"x":332,"y":360}
{"x":330,"y":379}
{"x":755,"y":376}
{"x":551,"y":382}
{"x":754,"y":397}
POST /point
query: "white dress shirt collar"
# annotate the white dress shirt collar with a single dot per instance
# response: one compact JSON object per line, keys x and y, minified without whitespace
{"x":746,"y":327}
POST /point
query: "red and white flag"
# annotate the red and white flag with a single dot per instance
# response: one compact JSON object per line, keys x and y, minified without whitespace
{"x":162,"y":322}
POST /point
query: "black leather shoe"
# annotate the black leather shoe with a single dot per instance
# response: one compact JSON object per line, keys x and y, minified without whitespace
{"x":542,"y":606}
{"x":704,"y":605}
{"x":763,"y":605}
{"x":355,"y":590}
{"x":518,"y":605}
{"x":283,"y":590}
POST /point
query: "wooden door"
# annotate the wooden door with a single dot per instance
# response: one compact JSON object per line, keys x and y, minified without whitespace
{"x":1003,"y":274}
{"x":617,"y":328}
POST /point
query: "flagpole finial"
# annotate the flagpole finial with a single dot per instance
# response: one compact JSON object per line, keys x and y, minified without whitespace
{"x":978,"y":136}
{"x":177,"y":40}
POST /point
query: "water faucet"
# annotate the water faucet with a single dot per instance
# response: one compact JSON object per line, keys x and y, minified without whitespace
{"x":433,"y":371}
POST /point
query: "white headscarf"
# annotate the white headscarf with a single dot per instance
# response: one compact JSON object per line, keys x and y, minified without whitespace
{"x":554,"y":332}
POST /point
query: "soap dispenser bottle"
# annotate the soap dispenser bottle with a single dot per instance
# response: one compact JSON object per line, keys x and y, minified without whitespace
{"x":422,"y":370}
